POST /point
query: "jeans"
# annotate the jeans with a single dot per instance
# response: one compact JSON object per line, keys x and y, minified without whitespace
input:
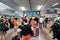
{"x":45,"y":24}
{"x":40,"y":25}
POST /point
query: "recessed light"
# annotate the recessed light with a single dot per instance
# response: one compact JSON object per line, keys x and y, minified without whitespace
{"x":39,"y":7}
{"x":23,"y":8}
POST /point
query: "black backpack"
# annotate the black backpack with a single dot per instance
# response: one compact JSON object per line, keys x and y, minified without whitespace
{"x":3,"y":27}
{"x":15,"y":38}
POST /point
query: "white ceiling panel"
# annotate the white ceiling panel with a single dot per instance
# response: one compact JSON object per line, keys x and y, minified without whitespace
{"x":29,"y":4}
{"x":49,"y":3}
{"x":35,"y":3}
{"x":24,"y":3}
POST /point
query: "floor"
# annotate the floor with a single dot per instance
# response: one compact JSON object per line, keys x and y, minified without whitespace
{"x":9,"y":37}
{"x":43,"y":34}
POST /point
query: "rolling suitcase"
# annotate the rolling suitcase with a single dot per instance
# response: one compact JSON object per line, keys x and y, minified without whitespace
{"x":37,"y":31}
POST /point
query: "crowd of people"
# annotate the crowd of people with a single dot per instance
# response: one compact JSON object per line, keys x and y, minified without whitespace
{"x":27,"y":28}
{"x":55,"y":27}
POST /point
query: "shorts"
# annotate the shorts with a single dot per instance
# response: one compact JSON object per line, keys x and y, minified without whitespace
{"x":2,"y":32}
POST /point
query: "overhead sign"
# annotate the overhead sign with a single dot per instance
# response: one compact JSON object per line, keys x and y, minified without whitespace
{"x":51,"y":12}
{"x":31,"y":13}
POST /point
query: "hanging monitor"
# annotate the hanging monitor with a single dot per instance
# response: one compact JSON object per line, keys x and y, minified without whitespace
{"x":31,"y":13}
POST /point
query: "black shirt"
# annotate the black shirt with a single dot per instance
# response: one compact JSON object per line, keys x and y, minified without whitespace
{"x":26,"y":29}
{"x":11,"y":23}
{"x":46,"y":19}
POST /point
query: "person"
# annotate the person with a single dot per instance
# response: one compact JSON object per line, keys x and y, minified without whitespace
{"x":11,"y":22}
{"x":3,"y":28}
{"x":25,"y":29}
{"x":41,"y":22}
{"x":33,"y":24}
{"x":55,"y":28}
{"x":45,"y":22}
{"x":16,"y":23}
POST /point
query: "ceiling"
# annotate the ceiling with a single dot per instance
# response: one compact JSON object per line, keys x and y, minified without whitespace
{"x":30,"y":5}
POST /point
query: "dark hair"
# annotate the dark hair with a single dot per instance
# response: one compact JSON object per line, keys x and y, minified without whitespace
{"x":30,"y":20}
{"x":25,"y":20}
{"x":1,"y":20}
{"x":16,"y":18}
{"x":37,"y":20}
{"x":2,"y":16}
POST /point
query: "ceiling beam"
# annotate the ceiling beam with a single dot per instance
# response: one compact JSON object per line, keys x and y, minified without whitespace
{"x":14,"y":2}
{"x":30,"y":5}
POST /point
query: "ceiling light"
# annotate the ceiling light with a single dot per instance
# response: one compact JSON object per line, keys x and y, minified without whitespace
{"x":23,"y":8}
{"x":39,"y":7}
{"x":55,"y":4}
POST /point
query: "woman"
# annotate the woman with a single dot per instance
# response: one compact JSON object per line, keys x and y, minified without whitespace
{"x":33,"y":22}
{"x":16,"y":23}
{"x":34,"y":26}
{"x":3,"y":28}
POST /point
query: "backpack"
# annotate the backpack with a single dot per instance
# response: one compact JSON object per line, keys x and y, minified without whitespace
{"x":3,"y":27}
{"x":15,"y":38}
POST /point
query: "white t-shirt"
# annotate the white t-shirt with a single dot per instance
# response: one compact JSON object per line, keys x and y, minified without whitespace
{"x":41,"y":20}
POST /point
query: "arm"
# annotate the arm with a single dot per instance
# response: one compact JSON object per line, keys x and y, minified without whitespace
{"x":19,"y":30}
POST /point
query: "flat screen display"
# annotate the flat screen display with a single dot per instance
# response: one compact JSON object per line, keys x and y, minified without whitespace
{"x":31,"y":13}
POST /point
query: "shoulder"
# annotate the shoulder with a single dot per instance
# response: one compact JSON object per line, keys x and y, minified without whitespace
{"x":20,"y":26}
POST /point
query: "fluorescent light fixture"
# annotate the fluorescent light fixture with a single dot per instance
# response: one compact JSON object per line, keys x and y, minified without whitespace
{"x":3,"y":6}
{"x":39,"y":7}
{"x":55,"y":4}
{"x":23,"y":8}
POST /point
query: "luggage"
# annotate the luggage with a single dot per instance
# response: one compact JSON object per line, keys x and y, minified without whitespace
{"x":37,"y":31}
{"x":15,"y":38}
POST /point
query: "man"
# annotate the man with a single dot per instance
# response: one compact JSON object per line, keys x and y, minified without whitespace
{"x":41,"y":21}
{"x":46,"y":21}
{"x":55,"y":26}
{"x":25,"y":29}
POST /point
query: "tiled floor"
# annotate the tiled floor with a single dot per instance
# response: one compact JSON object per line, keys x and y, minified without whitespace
{"x":13,"y":34}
